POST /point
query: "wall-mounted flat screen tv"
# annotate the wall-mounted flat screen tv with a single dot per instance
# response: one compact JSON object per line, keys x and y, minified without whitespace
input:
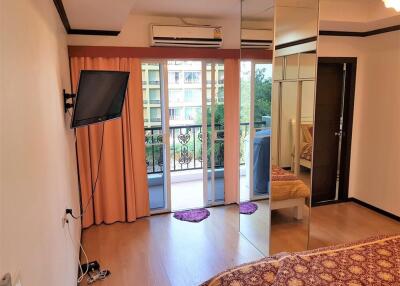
{"x":100,"y":96}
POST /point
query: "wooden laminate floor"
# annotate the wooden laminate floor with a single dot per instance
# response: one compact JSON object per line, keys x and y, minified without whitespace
{"x":160,"y":250}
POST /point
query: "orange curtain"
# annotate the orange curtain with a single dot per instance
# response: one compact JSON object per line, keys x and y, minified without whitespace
{"x":121,"y":191}
{"x":232,"y":123}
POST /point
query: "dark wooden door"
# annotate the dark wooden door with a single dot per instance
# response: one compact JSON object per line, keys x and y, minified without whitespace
{"x":326,"y":134}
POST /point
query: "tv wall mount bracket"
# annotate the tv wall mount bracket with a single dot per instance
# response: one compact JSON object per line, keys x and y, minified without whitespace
{"x":67,"y":97}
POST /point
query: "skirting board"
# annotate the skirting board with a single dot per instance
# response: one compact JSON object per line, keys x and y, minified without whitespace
{"x":378,"y":210}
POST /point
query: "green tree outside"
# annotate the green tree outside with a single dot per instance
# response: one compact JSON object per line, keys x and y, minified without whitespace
{"x":262,"y":107}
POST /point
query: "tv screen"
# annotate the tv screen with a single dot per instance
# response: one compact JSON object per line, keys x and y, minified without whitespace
{"x":100,"y":96}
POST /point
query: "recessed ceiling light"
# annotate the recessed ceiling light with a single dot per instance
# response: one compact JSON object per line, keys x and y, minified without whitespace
{"x":395,"y":4}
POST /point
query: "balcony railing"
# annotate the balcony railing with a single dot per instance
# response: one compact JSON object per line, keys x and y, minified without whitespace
{"x":186,"y":147}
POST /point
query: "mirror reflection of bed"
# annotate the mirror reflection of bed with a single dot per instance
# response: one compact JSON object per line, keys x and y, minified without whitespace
{"x":293,"y":105}
{"x":289,"y":211}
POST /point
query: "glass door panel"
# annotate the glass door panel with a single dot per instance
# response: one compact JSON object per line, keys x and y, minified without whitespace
{"x":155,"y":168}
{"x":210,"y":96}
{"x":154,"y":129}
{"x":215,"y":133}
{"x":219,"y":135}
{"x":185,"y":99}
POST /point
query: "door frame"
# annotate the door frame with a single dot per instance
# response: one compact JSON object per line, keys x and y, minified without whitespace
{"x":164,"y":98}
{"x":348,"y":113}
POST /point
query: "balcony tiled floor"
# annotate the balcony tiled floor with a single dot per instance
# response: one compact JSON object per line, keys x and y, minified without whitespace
{"x":189,"y":194}
{"x":187,"y":190}
{"x":186,"y":193}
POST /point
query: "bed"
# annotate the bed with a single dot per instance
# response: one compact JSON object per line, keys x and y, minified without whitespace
{"x":288,"y":191}
{"x":374,"y":261}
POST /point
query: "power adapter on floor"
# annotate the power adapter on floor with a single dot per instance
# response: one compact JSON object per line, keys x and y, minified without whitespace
{"x":94,"y":272}
{"x":91,"y":267}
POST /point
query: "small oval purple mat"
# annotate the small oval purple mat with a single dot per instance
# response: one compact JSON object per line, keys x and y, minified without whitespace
{"x":248,"y":208}
{"x":195,"y":215}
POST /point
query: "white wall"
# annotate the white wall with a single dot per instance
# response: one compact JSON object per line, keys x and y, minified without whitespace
{"x":136,"y":32}
{"x":37,"y":168}
{"x":375,"y":157}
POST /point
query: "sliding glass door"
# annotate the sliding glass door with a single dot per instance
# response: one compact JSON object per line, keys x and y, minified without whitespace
{"x":184,"y":127}
{"x":156,"y":130}
{"x":215,"y":133}
{"x":185,"y":97}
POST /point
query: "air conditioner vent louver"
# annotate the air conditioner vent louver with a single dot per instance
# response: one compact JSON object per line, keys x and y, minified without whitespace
{"x":186,"y":36}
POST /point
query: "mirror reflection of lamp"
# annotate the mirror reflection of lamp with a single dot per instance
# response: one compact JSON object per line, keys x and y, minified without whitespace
{"x":395,"y":4}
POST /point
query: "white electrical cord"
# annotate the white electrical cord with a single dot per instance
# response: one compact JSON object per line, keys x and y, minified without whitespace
{"x":79,"y":261}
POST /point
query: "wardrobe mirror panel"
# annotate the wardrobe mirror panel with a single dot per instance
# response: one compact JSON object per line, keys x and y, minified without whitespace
{"x":295,"y":50}
{"x":255,"y":121}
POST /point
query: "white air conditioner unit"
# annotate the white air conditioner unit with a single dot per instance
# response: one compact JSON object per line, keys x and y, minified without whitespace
{"x":186,"y":36}
{"x":257,"y":39}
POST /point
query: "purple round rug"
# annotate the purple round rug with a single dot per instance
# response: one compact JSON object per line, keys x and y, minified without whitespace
{"x":248,"y":208}
{"x":195,"y":215}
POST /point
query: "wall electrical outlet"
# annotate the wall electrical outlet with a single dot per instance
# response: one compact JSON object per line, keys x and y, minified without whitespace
{"x":65,"y":217}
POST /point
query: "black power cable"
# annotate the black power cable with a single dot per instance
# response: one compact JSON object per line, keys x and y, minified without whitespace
{"x":69,"y":211}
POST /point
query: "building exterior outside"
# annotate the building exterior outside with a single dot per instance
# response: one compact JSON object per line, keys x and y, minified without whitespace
{"x":184,"y":91}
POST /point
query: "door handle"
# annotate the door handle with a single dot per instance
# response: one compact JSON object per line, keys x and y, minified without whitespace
{"x":340,"y":133}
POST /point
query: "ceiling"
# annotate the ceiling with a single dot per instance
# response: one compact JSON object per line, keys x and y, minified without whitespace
{"x":356,"y":15}
{"x":184,"y":8}
{"x":112,"y":15}
{"x":258,"y":10}
{"x":97,"y":14}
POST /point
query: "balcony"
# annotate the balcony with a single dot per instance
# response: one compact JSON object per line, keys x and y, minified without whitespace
{"x":186,"y":164}
{"x":185,"y":150}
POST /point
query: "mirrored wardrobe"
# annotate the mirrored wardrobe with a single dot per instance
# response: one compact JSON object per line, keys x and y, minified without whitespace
{"x":255,"y":121}
{"x":294,"y":79}
{"x":277,"y":119}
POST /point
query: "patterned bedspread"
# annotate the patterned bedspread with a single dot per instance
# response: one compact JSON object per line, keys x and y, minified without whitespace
{"x":279,"y":174}
{"x":374,"y":261}
{"x":285,"y":185}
